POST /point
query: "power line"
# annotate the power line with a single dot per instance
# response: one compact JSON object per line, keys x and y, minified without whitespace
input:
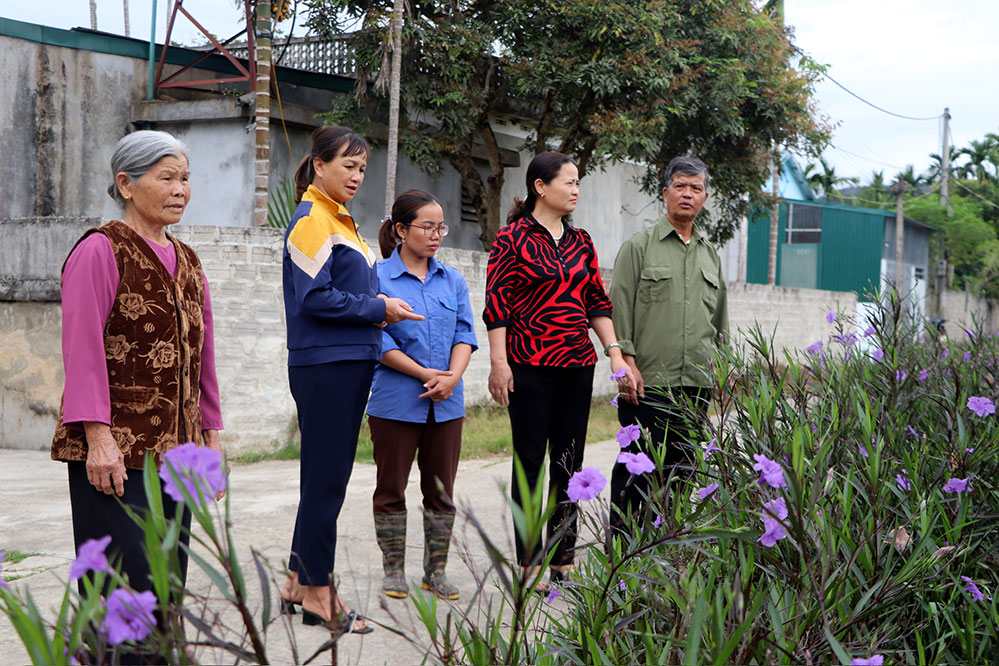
{"x":890,"y":113}
{"x":869,"y":159}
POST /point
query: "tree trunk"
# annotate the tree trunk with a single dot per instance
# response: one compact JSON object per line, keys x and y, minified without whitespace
{"x":392,"y":158}
{"x":541,"y":142}
{"x":262,"y":115}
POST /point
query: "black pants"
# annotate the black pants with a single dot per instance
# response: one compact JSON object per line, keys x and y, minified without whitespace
{"x":549,"y":410}
{"x":674,"y":426}
{"x":96,"y":515}
{"x":330,"y":398}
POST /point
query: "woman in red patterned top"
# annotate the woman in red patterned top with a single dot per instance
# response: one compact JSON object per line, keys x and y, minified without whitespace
{"x":543,"y":293}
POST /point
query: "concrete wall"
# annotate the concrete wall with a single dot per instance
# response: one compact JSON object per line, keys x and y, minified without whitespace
{"x":244,"y":272}
{"x":68,"y":107}
{"x":796,"y":317}
{"x":962,"y":309}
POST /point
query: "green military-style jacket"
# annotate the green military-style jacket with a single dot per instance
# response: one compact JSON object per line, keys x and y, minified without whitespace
{"x":670,"y":305}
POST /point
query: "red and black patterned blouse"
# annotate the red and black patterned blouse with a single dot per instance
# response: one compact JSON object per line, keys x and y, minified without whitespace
{"x":545,"y":294}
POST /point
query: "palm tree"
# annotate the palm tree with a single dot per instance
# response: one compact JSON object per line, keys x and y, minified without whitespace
{"x":912,"y":180}
{"x":826,"y":180}
{"x":877,"y":191}
{"x":934,"y":173}
{"x":981,"y":154}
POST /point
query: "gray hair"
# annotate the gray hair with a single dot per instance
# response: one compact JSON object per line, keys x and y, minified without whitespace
{"x":136,"y":153}
{"x":687,"y":166}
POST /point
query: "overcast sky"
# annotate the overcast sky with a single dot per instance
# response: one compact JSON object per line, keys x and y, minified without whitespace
{"x":910,"y":57}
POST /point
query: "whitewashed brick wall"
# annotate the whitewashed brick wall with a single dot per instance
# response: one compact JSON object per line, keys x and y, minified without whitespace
{"x":244,"y":270}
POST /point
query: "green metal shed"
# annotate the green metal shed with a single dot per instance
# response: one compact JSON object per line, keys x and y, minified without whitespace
{"x":835,"y":247}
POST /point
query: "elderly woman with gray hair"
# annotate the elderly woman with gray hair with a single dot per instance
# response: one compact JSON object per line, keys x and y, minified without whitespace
{"x":138,"y":350}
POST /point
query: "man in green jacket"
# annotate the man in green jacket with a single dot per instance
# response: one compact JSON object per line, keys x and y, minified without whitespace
{"x":670,"y":312}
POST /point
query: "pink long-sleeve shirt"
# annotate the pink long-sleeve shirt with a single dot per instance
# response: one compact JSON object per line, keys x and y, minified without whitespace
{"x":89,"y":286}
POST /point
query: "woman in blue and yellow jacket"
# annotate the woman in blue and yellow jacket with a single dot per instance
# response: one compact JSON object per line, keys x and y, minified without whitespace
{"x":334,"y":314}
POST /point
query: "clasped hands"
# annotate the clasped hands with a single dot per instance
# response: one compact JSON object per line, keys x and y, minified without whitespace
{"x":439,"y":384}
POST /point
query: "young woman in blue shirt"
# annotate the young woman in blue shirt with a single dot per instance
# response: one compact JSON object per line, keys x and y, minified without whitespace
{"x":417,"y":407}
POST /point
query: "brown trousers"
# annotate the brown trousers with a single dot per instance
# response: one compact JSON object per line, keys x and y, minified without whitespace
{"x":435,"y":446}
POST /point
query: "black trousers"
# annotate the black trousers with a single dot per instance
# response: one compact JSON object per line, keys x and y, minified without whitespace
{"x":674,"y":426}
{"x":549,"y":410}
{"x":96,"y":515}
{"x":330,"y":398}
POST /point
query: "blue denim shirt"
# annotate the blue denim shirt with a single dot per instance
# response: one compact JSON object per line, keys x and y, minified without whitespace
{"x":443,"y":300}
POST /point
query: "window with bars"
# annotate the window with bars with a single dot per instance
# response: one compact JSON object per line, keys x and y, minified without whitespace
{"x":804,"y":225}
{"x":467,"y":207}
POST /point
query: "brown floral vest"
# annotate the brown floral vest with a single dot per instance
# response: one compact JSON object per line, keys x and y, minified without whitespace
{"x":152,"y":342}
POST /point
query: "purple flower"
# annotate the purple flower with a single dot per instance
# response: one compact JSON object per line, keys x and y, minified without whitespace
{"x":873,"y":660}
{"x":707,"y":491}
{"x":945,"y":353}
{"x":970,"y":334}
{"x":869,"y":332}
{"x":712,"y":446}
{"x":774,"y":511}
{"x":619,"y":374}
{"x":586,"y":484}
{"x":776,"y":508}
{"x":658,"y":521}
{"x":863,"y":450}
{"x":130,"y":615}
{"x":830,"y":316}
{"x":849,"y":339}
{"x":967,"y":355}
{"x":955,"y":485}
{"x":878,"y":355}
{"x":628,"y":434}
{"x":923,"y":374}
{"x":614,"y":401}
{"x":552,"y":595}
{"x":900,"y":376}
{"x":3,"y":583}
{"x":972,"y":589}
{"x":621,"y":585}
{"x":815,"y":348}
{"x":772,"y":533}
{"x":902,"y":482}
{"x":912,"y":431}
{"x":90,"y":557}
{"x":981,"y":406}
{"x":636,"y":463}
{"x":196,"y":467}
{"x":770,"y":471}
{"x":970,"y":450}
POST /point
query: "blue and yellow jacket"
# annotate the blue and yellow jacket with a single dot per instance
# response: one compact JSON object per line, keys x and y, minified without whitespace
{"x":330,"y":286}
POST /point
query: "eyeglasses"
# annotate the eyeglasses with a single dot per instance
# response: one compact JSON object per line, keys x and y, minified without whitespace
{"x":431,"y":230}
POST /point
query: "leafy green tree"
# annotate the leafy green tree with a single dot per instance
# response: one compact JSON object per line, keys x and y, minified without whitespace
{"x":967,"y":237}
{"x":643,"y":80}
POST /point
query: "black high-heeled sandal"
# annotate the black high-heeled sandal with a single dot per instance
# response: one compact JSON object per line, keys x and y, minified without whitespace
{"x":347,"y":626}
{"x":287,"y":606}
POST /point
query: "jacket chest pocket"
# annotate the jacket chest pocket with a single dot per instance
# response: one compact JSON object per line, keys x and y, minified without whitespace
{"x":654,"y":284}
{"x":710,"y":290}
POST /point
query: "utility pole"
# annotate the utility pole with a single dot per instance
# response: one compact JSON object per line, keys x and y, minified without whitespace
{"x":774,"y":221}
{"x":262,"y":113}
{"x":945,"y":163}
{"x":93,"y":14}
{"x":899,"y":232}
{"x":392,"y":158}
{"x":128,"y":29}
{"x":777,"y":7}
